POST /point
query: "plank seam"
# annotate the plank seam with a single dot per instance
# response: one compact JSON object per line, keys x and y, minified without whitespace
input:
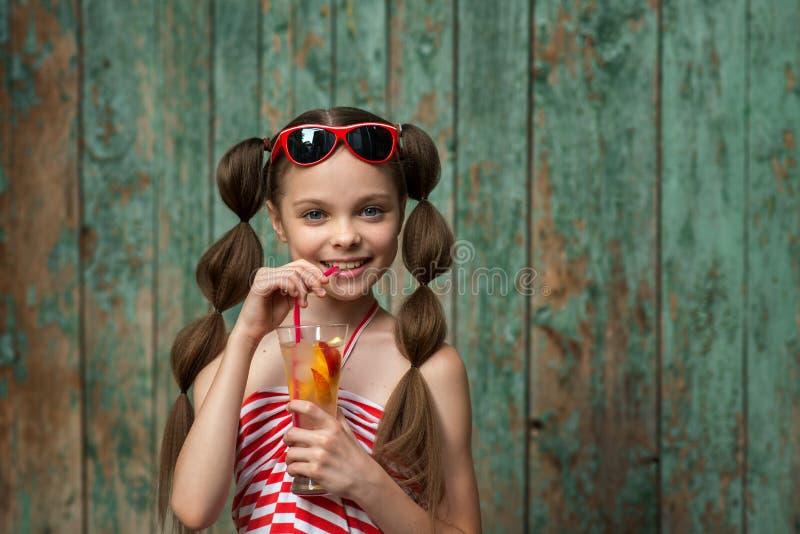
{"x":746,"y":268}
{"x":527,"y":364}
{"x":290,"y":41}
{"x":81,"y":273}
{"x":158,"y":178}
{"x":387,"y":93}
{"x":212,"y":105}
{"x":259,"y":67}
{"x":454,"y":160}
{"x":658,"y":260}
{"x":333,"y":30}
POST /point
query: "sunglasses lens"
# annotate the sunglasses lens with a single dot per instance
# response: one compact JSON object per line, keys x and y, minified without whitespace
{"x":309,"y":145}
{"x":373,"y":143}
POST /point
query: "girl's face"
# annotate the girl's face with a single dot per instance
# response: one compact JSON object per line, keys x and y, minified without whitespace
{"x":343,"y":212}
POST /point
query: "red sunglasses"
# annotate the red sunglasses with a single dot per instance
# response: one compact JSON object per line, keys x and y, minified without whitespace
{"x":309,"y":144}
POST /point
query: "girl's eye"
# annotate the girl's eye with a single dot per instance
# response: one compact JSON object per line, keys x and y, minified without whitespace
{"x":372,"y":211}
{"x":311,"y":215}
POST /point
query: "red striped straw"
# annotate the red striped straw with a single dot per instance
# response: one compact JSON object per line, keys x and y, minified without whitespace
{"x":297,"y":308}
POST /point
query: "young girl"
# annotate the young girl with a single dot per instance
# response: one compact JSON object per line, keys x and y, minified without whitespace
{"x":397,"y":458}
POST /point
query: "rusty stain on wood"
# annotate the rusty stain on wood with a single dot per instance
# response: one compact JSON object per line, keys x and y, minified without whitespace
{"x":728,"y":460}
{"x":40,"y":441}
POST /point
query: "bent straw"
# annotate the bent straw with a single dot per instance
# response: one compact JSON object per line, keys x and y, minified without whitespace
{"x":297,"y":307}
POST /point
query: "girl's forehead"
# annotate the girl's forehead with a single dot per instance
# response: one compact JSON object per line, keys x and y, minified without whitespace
{"x":340,"y":179}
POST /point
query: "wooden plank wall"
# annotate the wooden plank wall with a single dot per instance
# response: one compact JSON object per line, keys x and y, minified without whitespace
{"x":623,"y":182}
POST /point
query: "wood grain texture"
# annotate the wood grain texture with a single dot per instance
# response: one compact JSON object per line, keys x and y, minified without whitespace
{"x":236,"y":102}
{"x":592,"y":377}
{"x":360,"y":77}
{"x":703,"y":269}
{"x":118,"y":242}
{"x":420,"y":86}
{"x":773,"y":259}
{"x":313,"y":77}
{"x":361,"y":54}
{"x":113,"y":116}
{"x":40,"y":410}
{"x":184,"y":188}
{"x":490,"y":215}
{"x":276,"y":90}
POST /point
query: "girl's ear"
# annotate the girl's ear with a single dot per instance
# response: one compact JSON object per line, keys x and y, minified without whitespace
{"x":275,"y":218}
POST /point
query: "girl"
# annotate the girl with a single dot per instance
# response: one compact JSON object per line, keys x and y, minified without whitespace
{"x":397,"y":458}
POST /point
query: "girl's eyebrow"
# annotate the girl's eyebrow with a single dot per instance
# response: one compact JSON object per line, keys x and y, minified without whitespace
{"x":370,"y":197}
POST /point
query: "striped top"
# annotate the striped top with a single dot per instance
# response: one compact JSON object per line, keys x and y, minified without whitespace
{"x":263,"y":501}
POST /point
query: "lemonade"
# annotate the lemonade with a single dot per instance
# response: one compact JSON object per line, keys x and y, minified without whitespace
{"x":312,"y":371}
{"x":312,"y":359}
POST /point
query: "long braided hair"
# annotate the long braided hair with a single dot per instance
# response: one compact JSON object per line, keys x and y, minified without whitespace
{"x":408,"y":440}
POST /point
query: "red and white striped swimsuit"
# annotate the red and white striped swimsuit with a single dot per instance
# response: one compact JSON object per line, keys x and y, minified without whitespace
{"x":264,"y":501}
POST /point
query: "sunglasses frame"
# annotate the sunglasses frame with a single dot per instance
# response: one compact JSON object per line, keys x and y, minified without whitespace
{"x":340,"y":133}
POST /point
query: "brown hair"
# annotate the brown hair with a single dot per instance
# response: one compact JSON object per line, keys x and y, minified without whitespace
{"x":408,"y":440}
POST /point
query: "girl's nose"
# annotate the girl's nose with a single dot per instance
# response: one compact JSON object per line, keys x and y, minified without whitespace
{"x":346,"y":236}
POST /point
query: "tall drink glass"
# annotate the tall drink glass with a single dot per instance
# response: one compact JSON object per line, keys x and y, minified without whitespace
{"x":312,"y":366}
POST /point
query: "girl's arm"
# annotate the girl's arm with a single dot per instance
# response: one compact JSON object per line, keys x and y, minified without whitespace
{"x":331,"y":456}
{"x":204,"y":469}
{"x":447,"y":380}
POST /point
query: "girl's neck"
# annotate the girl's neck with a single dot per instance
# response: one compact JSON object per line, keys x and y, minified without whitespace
{"x":329,"y":310}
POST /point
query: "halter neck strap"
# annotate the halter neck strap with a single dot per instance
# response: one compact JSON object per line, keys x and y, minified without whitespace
{"x":357,"y":332}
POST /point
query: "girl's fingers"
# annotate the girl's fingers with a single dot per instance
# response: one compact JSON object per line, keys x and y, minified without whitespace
{"x":296,"y":287}
{"x":301,"y":469}
{"x":301,"y":437}
{"x":296,"y":280}
{"x":316,"y":270}
{"x":311,"y":281}
{"x":318,"y":417}
{"x":298,"y":454}
{"x":313,"y":276}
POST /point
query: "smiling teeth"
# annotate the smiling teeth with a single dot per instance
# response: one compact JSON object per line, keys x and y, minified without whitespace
{"x":346,"y":265}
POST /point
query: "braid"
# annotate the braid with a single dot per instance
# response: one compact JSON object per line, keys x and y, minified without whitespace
{"x":223,"y":276}
{"x":408,"y":439}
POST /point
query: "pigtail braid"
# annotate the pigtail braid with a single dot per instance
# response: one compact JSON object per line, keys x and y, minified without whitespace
{"x":408,"y":440}
{"x":222,"y":274}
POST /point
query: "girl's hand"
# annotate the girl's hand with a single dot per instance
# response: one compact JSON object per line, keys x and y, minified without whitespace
{"x":272,"y":294}
{"x":330,"y":454}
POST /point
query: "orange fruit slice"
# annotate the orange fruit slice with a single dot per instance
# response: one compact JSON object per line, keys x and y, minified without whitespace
{"x":324,"y":396}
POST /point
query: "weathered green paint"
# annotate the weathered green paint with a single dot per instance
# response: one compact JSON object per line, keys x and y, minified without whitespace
{"x":185,"y":185}
{"x":236,"y":101}
{"x":361,"y":55}
{"x":490,"y":187}
{"x":360,"y":75}
{"x":421,"y":93}
{"x":119,"y":182}
{"x":169,"y":86}
{"x":592,"y":383}
{"x":703,"y":271}
{"x":40,"y":433}
{"x":773,"y":269}
{"x":312,"y":55}
{"x":276,"y":99}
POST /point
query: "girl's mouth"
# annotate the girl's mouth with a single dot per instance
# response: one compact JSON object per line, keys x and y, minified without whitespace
{"x":348,"y":269}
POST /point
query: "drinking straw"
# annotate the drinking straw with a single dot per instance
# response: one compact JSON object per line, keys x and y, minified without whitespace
{"x":297,"y":307}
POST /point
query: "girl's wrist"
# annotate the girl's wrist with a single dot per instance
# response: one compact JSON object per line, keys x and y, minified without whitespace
{"x":242,"y":340}
{"x":373,"y":480}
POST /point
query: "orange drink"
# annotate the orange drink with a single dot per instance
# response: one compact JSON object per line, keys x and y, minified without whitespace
{"x":312,"y":366}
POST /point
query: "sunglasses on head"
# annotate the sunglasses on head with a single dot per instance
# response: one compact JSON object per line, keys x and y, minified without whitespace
{"x":309,"y":144}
